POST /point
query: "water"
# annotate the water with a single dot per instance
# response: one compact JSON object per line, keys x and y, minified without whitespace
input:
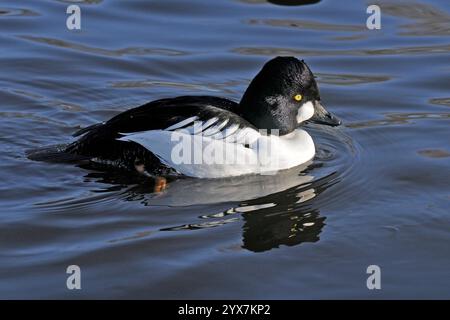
{"x":377,"y":192}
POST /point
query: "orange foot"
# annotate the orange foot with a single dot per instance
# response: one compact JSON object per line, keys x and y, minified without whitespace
{"x":160,"y":184}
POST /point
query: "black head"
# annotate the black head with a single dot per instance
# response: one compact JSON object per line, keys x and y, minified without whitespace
{"x":282,"y":95}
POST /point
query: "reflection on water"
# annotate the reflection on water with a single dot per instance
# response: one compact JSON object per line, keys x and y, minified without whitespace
{"x":212,"y":87}
{"x":312,"y":25}
{"x":428,"y":20}
{"x":398,"y":118}
{"x":433,"y":153}
{"x":350,"y":79}
{"x":265,"y":232}
{"x":81,"y":1}
{"x":293,"y":2}
{"x":135,"y":51}
{"x":283,"y":2}
{"x":278,"y":210}
{"x":287,"y":217}
{"x":441,"y":101}
{"x":405,"y":50}
{"x":16,"y":12}
{"x":186,"y":192}
{"x":295,"y":220}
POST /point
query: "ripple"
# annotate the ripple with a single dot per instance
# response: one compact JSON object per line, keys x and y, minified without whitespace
{"x":353,"y":37}
{"x":412,"y":50}
{"x":27,"y":94}
{"x":350,"y":79}
{"x":202,"y":225}
{"x":429,"y":21}
{"x":283,"y":2}
{"x":33,"y":116}
{"x":240,"y":209}
{"x":398,"y":118}
{"x":440,"y":101}
{"x":213,"y":87}
{"x":306,"y":24}
{"x":8,"y":12}
{"x":81,"y":1}
{"x":434,"y":153}
{"x":293,"y":2}
{"x":90,"y":200}
{"x":137,"y":235}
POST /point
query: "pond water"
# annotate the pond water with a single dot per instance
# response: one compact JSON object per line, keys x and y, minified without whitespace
{"x":377,"y":192}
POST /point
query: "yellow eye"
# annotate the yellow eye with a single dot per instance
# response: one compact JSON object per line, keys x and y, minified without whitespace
{"x":298,"y":97}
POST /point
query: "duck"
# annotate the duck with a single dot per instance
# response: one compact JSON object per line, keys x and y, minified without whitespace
{"x":212,"y":137}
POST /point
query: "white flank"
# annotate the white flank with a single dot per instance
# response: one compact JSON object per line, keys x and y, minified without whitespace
{"x":224,"y":153}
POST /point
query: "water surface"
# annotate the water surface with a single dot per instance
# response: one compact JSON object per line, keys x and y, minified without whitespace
{"x":376,"y":193}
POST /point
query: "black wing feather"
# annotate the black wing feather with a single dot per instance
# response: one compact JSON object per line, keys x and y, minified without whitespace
{"x":100,"y":140}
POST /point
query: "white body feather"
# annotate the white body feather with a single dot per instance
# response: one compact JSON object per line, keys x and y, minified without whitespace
{"x":209,"y":151}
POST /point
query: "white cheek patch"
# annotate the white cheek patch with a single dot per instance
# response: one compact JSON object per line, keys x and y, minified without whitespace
{"x":305,"y":112}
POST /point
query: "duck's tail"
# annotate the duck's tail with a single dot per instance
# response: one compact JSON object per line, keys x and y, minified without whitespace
{"x":56,"y":153}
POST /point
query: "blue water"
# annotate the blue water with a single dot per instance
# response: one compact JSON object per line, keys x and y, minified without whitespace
{"x":377,"y":192}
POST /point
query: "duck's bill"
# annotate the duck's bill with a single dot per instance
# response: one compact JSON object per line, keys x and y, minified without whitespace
{"x":322,"y":116}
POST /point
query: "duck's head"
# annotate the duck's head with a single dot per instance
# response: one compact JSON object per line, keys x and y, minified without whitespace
{"x":283,"y":95}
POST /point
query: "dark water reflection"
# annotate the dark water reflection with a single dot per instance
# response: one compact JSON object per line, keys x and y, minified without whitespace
{"x":376,"y":193}
{"x":285,"y":2}
{"x":287,"y":217}
{"x":276,"y":210}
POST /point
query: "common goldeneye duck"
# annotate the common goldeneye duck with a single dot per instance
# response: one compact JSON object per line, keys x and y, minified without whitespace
{"x":212,"y":137}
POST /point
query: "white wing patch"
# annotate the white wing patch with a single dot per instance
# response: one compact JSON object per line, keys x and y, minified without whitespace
{"x":213,"y":129}
{"x":209,"y":123}
{"x":182,"y":123}
{"x":246,"y":145}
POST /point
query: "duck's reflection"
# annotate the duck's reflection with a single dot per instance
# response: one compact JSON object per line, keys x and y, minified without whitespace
{"x":295,"y":219}
{"x":264,"y":232}
{"x":282,"y":210}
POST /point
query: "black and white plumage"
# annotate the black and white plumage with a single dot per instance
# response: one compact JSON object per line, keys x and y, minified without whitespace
{"x":280,"y":97}
{"x":117,"y":141}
